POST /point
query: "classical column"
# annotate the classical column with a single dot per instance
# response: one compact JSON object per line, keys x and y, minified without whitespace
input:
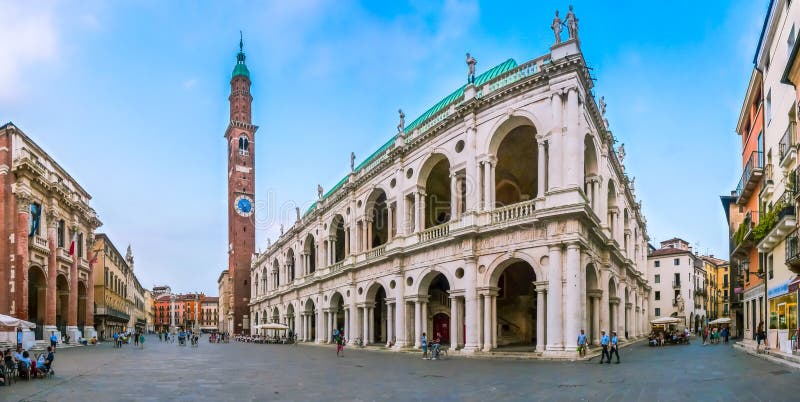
{"x":424,"y":317}
{"x":573,"y":155}
{"x":417,"y":323}
{"x":347,"y":241}
{"x":417,"y":219}
{"x":390,"y":223}
{"x":471,"y":305}
{"x":605,"y":323}
{"x":72,"y":307}
{"x":22,"y":258}
{"x":421,"y":209}
{"x":368,"y":240}
{"x":401,"y":332}
{"x":614,"y":306}
{"x":371,"y":324}
{"x":88,"y":327}
{"x":346,"y":323}
{"x":620,"y":322}
{"x":389,"y":323}
{"x":487,"y":322}
{"x":493,"y":298}
{"x":454,"y":195}
{"x":541,"y":293}
{"x":540,"y":169}
{"x":365,"y":323}
{"x":572,"y":299}
{"x":555,"y":335}
{"x":594,"y":335}
{"x":52,"y":272}
{"x":454,"y":329}
{"x":488,"y":185}
{"x":554,"y":149}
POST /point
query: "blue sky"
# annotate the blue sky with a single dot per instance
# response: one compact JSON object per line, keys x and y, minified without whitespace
{"x":131,"y":98}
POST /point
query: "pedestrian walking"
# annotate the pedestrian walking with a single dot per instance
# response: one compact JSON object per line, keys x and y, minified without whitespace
{"x":424,"y":342}
{"x":604,"y":341}
{"x":53,"y":341}
{"x":116,"y":340}
{"x":582,"y":344}
{"x":340,"y":344}
{"x":136,"y":339}
{"x":614,"y":347}
{"x":725,"y":334}
{"x":705,"y":336}
{"x":141,"y":341}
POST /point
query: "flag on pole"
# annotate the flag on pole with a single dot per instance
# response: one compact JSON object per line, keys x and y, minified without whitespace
{"x":73,"y":243}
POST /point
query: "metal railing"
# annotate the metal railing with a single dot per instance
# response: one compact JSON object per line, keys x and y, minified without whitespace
{"x":792,"y":248}
{"x":754,"y":161}
{"x":788,"y":140}
{"x":676,"y":284}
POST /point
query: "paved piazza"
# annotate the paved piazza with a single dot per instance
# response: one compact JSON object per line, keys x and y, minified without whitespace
{"x":275,"y":372}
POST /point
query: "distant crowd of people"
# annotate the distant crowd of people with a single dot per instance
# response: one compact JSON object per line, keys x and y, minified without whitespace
{"x":125,"y":338}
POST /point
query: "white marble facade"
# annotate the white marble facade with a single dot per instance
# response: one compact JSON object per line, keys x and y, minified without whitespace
{"x":503,"y":219}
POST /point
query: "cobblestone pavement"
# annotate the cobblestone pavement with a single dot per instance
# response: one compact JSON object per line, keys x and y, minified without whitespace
{"x":239,"y":372}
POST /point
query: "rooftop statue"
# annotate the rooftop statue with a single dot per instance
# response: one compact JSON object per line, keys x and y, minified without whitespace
{"x":319,"y":191}
{"x":621,"y":153}
{"x":471,"y":62}
{"x":401,"y":126}
{"x":297,"y":212}
{"x":556,"y":27}
{"x":572,"y":24}
{"x":352,"y":161}
{"x":603,"y":106}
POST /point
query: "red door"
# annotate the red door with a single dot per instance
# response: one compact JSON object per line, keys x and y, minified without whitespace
{"x":441,"y":325}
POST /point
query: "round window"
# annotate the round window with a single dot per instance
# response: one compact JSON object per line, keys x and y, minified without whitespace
{"x":360,"y":290}
{"x":392,"y":183}
{"x":392,"y":284}
{"x":460,"y":273}
{"x":409,"y":281}
{"x":409,"y":173}
{"x":460,"y":146}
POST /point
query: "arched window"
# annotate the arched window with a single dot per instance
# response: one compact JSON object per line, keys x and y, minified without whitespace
{"x":244,"y":145}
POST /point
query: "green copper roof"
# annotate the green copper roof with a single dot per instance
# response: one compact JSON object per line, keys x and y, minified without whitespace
{"x":501,"y":68}
{"x":241,"y":69}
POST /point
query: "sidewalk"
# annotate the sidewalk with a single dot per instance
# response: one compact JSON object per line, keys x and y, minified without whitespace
{"x":774,"y":355}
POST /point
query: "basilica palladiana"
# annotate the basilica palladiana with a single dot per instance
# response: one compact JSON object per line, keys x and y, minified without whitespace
{"x":502,"y":219}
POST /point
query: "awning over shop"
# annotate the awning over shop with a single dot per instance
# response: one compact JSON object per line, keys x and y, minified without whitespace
{"x":723,"y":320}
{"x":9,"y":321}
{"x":666,"y":320}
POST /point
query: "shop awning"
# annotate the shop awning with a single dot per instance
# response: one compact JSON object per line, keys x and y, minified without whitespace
{"x":666,"y":320}
{"x":9,"y":321}
{"x":793,"y":285}
{"x":723,"y":320}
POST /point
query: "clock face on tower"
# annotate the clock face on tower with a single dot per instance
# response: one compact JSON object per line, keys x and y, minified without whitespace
{"x":243,"y":205}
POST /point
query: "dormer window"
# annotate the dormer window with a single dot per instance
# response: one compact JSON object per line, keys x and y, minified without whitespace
{"x":244,"y":145}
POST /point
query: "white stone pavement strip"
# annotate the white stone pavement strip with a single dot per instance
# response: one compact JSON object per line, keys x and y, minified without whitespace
{"x":244,"y":372}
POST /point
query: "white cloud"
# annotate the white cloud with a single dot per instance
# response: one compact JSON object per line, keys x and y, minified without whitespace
{"x":30,"y":36}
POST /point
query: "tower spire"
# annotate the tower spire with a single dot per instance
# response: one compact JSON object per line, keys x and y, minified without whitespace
{"x":241,"y":42}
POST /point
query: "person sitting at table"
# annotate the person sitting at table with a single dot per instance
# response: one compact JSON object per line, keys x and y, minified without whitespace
{"x":25,"y":365}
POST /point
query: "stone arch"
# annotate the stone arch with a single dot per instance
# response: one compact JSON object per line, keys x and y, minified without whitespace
{"x":62,"y":302}
{"x":594,"y":293}
{"x":591,"y":170}
{"x":376,"y":212}
{"x":37,"y":296}
{"x":502,"y":127}
{"x":291,"y":317}
{"x":496,"y":267}
{"x":426,"y":276}
{"x":276,"y":315}
{"x":516,"y":308}
{"x":434,"y":177}
{"x":516,"y":173}
{"x":264,"y":276}
{"x":336,"y":233}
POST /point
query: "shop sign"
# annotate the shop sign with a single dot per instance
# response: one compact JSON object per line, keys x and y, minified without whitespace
{"x":779,"y":290}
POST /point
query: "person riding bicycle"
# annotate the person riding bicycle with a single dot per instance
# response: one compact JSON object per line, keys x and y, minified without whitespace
{"x":437,"y":340}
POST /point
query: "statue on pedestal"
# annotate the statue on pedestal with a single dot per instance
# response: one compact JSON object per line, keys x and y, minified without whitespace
{"x":297,"y":212}
{"x":621,"y":153}
{"x":572,"y":24}
{"x":471,"y":62}
{"x":352,"y":161}
{"x":556,"y":27}
{"x":319,"y":191}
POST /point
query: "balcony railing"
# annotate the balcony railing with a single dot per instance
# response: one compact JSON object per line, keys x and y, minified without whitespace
{"x":751,"y":173}
{"x":513,"y":212}
{"x":776,"y":224}
{"x":787,"y":147}
{"x":676,"y":284}
{"x":793,"y":253}
{"x":434,"y":232}
{"x":377,"y":251}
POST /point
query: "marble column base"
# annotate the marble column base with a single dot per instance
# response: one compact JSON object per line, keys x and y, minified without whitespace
{"x":74,"y":334}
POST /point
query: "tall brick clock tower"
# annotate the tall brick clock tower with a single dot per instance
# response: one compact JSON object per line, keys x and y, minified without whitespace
{"x":240,"y":136}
